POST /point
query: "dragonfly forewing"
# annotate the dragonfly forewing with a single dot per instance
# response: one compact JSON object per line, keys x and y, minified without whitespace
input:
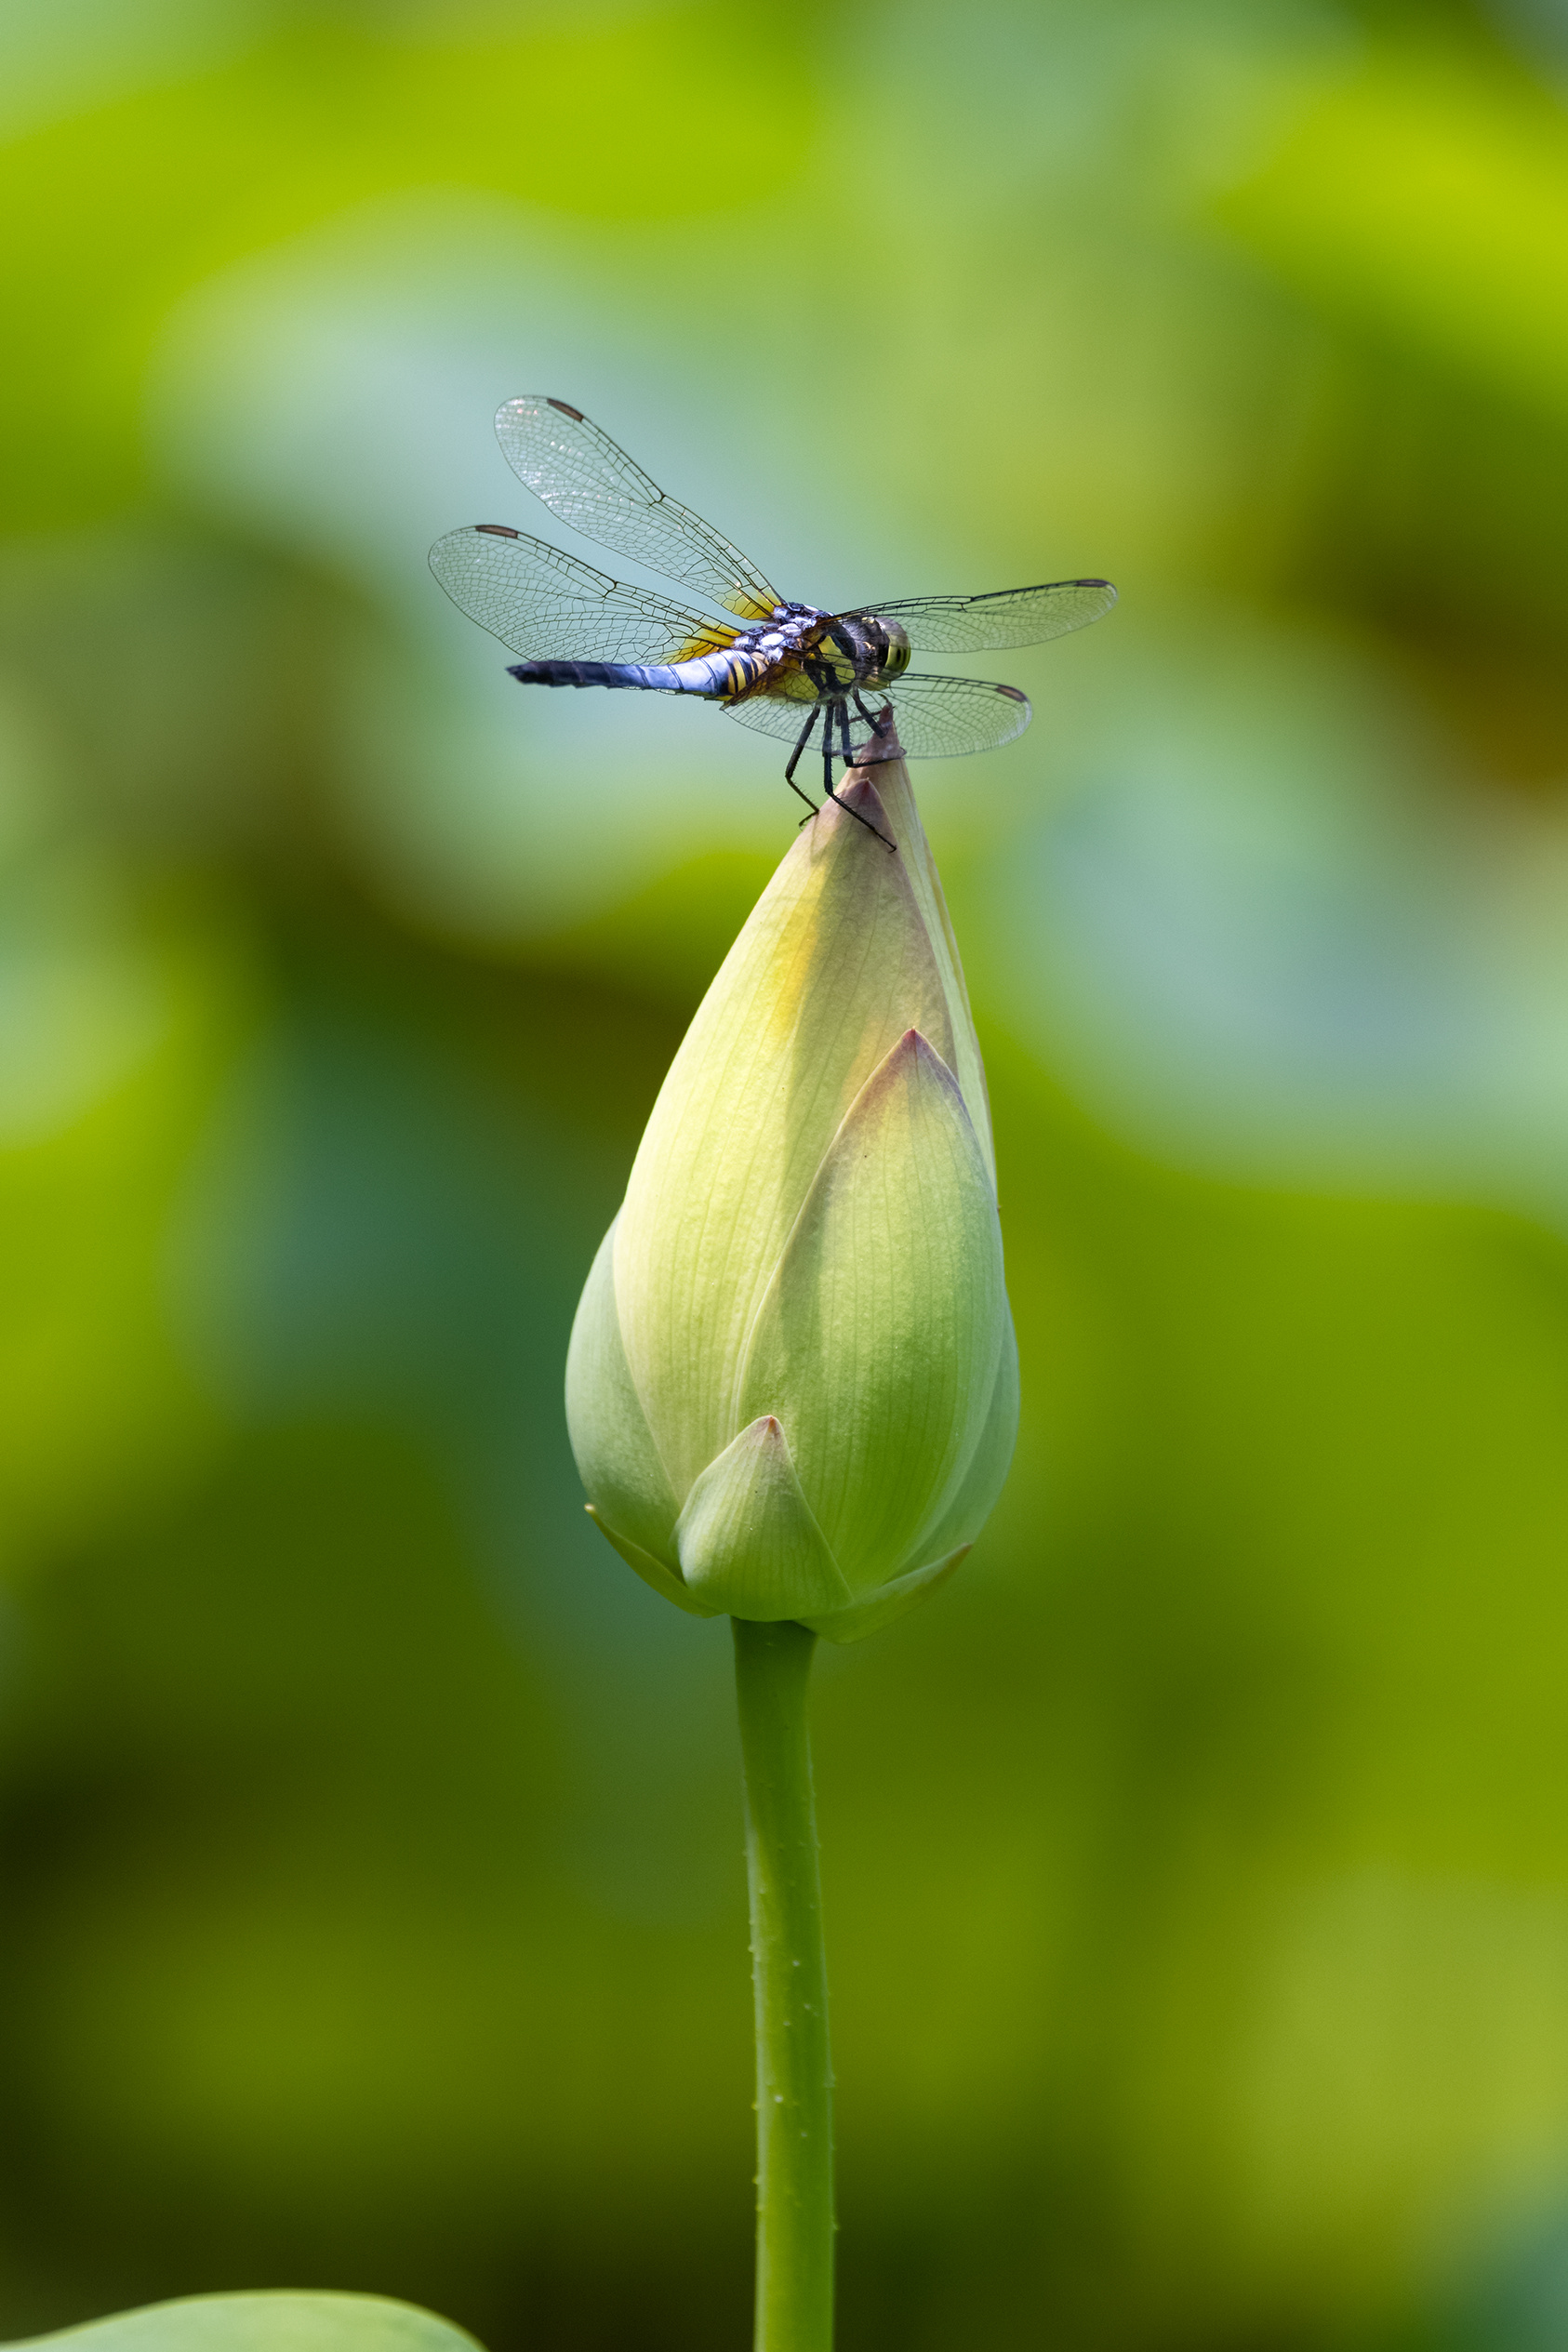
{"x":583,"y":477}
{"x":1002,"y":618}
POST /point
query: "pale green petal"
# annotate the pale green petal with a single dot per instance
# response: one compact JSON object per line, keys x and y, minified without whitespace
{"x":877,"y":1341}
{"x":616,"y":1458}
{"x":664,"y":1582}
{"x":887,"y":1601}
{"x":834,"y":963}
{"x":980,"y":1480}
{"x":903,"y":822}
{"x":746,"y":1539}
{"x":977,"y":1487}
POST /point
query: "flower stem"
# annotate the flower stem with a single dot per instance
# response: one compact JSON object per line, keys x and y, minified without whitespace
{"x":789,"y":1975}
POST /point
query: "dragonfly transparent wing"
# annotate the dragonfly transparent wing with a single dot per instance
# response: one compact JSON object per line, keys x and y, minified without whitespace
{"x":1006,"y":617}
{"x":544,"y":604}
{"x":582,"y":478}
{"x":932,"y":718}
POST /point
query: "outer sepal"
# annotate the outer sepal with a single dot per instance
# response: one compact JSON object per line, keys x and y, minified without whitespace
{"x":878,"y":1339}
{"x":618,"y":1460}
{"x":967,"y":1508}
{"x":664,"y":1582}
{"x":748,"y":1540}
{"x":889,"y":1601}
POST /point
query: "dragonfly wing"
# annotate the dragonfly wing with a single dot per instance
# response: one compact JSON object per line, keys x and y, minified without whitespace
{"x":782,"y":711}
{"x":543,"y":603}
{"x":581,"y":476}
{"x":932,"y":718}
{"x":1006,"y":617}
{"x":941,"y":718}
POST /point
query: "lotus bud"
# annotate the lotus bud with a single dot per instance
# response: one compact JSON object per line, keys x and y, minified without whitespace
{"x":792,"y":1382}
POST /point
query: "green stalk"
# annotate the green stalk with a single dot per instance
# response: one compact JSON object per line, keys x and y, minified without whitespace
{"x":789,"y":1974}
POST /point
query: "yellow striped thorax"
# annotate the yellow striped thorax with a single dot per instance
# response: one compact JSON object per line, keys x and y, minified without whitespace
{"x":837,"y":652}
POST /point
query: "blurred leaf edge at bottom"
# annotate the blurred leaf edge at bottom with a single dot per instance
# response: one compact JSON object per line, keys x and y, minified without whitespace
{"x":274,"y":2321}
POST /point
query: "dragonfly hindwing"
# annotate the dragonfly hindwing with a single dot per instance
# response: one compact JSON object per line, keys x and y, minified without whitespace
{"x":543,"y":603}
{"x":932,"y":718}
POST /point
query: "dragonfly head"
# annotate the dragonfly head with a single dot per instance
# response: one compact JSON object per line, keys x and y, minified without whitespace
{"x":865,"y":650}
{"x":893,"y":649}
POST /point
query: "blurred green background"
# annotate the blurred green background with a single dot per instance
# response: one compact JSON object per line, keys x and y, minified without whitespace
{"x":1197,"y":1865}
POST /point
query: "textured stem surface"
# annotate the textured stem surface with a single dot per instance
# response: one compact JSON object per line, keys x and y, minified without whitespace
{"x":794,"y":2072}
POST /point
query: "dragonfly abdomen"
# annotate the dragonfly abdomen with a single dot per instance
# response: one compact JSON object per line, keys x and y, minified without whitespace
{"x":714,"y":673}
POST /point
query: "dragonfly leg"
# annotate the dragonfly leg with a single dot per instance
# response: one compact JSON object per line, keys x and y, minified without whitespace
{"x":840,"y":709}
{"x":800,"y":747}
{"x":876,"y":720}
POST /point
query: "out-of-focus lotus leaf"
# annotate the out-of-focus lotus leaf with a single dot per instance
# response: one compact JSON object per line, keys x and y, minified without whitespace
{"x":1426,"y":197}
{"x":277,"y":2321}
{"x":99,"y":1405}
{"x":644,"y":115}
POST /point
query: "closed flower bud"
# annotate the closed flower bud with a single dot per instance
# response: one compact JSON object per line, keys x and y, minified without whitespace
{"x":792,"y":1383}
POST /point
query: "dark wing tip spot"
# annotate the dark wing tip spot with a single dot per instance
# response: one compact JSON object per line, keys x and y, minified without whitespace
{"x":1012,"y":692}
{"x":566,"y":409}
{"x":1091,"y":583}
{"x":499,"y":530}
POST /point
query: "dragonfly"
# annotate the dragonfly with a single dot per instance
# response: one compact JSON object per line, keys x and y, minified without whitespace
{"x":786,"y":669}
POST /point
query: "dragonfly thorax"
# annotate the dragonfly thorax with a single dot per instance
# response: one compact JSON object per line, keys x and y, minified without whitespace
{"x":790,"y":629}
{"x":857,"y":649}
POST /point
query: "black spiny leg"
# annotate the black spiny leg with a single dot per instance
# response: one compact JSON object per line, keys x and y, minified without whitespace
{"x":800,"y":747}
{"x":842,"y":711}
{"x":876,"y":720}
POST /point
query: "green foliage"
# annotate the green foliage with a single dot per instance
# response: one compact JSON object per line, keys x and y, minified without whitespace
{"x":1196,"y":1859}
{"x":130,"y":204}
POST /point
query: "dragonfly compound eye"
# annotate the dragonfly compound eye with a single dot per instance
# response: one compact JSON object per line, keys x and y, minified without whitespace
{"x":896,"y":657}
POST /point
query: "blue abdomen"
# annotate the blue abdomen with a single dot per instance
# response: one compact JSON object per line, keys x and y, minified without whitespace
{"x":714,"y":674}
